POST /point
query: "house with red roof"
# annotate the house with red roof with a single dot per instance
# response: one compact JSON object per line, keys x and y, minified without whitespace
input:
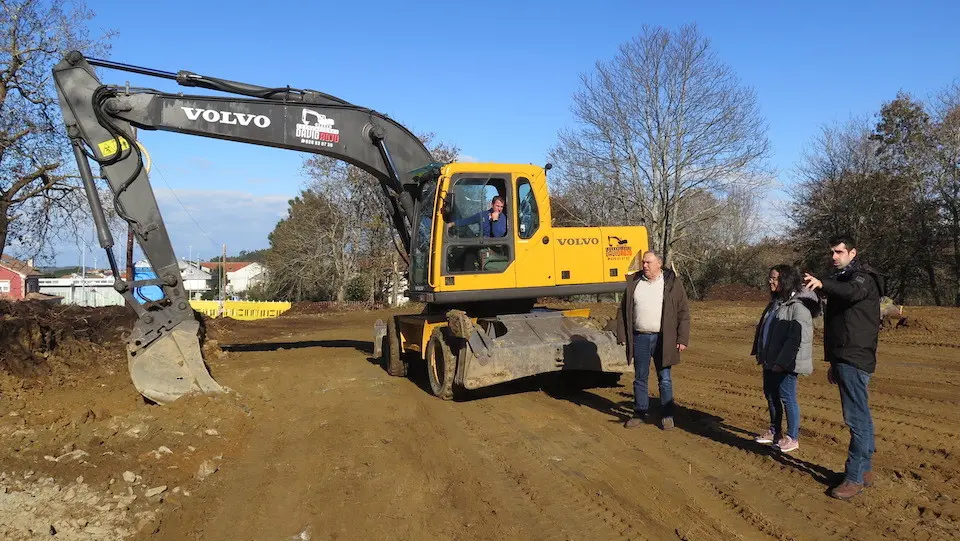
{"x":18,"y":278}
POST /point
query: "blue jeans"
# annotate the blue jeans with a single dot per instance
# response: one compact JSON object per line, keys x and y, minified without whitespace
{"x":644,"y":345}
{"x":856,"y":413}
{"x":780,"y":388}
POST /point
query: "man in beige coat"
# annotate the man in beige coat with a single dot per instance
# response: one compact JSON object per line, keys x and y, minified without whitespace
{"x":653,"y":321}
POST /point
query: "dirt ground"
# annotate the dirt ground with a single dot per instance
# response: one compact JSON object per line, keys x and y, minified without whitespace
{"x":316,"y":441}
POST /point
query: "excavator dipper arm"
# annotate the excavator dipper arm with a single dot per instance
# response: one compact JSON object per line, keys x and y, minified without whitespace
{"x":163,"y":350}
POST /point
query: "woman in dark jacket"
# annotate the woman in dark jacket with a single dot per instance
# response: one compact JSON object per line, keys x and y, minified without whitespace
{"x":783,"y":345}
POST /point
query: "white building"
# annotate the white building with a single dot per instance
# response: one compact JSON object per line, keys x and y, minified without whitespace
{"x":241,"y":275}
{"x":196,"y":280}
{"x":398,"y":289}
{"x":242,"y":279}
{"x":82,"y":291}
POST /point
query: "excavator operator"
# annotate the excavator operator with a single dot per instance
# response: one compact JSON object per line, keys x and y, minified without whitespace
{"x":493,"y":222}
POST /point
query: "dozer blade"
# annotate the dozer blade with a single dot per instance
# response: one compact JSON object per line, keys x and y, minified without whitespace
{"x":172,"y":366}
{"x":509,"y":347}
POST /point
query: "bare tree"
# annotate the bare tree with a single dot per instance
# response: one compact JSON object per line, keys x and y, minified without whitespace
{"x":906,"y":137}
{"x":303,"y":247}
{"x":338,"y":234}
{"x":842,"y":188}
{"x":36,"y":188}
{"x":360,"y":225}
{"x":947,"y":176}
{"x":662,"y":121}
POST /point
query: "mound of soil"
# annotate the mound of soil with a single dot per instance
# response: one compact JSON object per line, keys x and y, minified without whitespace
{"x":735,"y":292}
{"x":38,"y":338}
{"x":308,"y":308}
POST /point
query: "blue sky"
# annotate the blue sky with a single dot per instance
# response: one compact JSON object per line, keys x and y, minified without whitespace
{"x":495,"y":78}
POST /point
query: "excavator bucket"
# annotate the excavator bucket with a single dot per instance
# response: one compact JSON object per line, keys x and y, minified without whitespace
{"x":172,"y":366}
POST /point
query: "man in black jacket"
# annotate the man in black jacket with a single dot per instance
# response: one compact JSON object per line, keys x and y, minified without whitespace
{"x":851,"y":325}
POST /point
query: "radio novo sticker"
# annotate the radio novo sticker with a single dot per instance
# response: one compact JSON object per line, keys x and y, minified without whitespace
{"x":317,"y":129}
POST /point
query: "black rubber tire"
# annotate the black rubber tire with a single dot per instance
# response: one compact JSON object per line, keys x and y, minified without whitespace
{"x":392,"y":356}
{"x":441,"y":365}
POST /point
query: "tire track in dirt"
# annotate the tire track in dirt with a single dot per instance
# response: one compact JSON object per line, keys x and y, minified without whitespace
{"x":749,"y":466}
{"x":930,"y":441}
{"x":541,"y":480}
{"x":356,"y":454}
{"x":812,"y":412}
{"x":685,"y":493}
{"x":904,"y":440}
{"x":793,"y":499}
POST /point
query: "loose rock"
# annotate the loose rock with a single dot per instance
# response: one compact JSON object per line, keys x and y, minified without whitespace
{"x":207,"y":468}
{"x":154,"y":491}
{"x":72,"y":455}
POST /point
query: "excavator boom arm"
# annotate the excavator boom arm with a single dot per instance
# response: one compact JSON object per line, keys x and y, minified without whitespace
{"x":101,"y":120}
{"x":306,"y":121}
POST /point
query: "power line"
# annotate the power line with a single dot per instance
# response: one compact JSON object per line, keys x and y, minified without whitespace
{"x":164,"y":178}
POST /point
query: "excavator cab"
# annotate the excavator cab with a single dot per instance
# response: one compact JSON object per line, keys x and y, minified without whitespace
{"x":460,"y":255}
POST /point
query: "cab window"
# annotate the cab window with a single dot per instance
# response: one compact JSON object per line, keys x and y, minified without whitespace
{"x":527,"y":212}
{"x":477,"y":229}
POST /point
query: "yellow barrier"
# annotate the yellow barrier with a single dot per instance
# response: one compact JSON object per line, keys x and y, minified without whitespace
{"x":245,"y":310}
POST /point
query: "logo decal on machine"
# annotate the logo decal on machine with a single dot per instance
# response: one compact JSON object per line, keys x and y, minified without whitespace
{"x":582,"y":241}
{"x":316,"y":129}
{"x":618,"y":248}
{"x":226,"y":117}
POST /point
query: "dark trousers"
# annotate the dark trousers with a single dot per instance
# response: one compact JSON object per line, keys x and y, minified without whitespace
{"x":644,"y":345}
{"x":856,"y":414}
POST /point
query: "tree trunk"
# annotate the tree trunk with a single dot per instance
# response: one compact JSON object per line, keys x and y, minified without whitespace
{"x":932,"y":281}
{"x":928,"y":266}
{"x":395,"y":282}
{"x":4,"y":225}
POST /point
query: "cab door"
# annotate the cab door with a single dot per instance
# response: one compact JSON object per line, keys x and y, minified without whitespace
{"x":535,"y":265}
{"x":470,"y":259}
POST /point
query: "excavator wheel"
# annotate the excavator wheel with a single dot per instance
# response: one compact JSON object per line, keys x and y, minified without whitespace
{"x":392,"y":356}
{"x":441,"y":365}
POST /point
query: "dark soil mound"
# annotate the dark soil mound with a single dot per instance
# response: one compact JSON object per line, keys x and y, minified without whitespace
{"x":307,"y":308}
{"x":37,"y":338}
{"x":735,"y":292}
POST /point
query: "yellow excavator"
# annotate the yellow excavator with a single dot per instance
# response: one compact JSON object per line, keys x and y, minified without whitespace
{"x":478,"y":238}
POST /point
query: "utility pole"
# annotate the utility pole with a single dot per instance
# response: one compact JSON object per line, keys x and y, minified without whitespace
{"x":223,"y":273}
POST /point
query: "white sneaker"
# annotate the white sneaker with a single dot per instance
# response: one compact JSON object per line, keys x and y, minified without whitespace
{"x":766,"y":437}
{"x":787,"y":444}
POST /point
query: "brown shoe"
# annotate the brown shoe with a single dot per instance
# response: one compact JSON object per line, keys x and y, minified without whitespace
{"x":868,"y":478}
{"x":667,"y":423}
{"x":846,"y":490}
{"x":636,"y":421}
